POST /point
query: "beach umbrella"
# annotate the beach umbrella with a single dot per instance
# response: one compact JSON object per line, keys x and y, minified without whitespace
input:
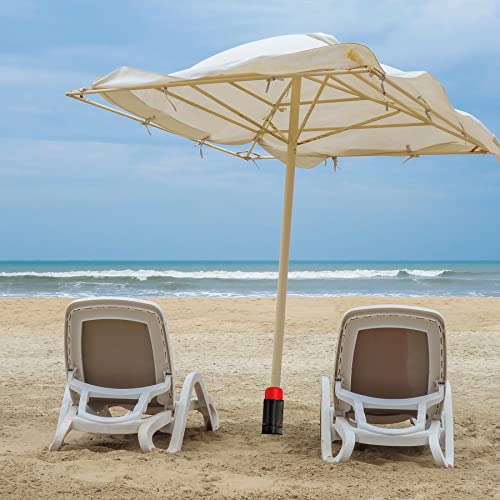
{"x":302,"y":99}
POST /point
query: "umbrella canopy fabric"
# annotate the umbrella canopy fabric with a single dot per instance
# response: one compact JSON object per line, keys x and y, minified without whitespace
{"x":351,"y":105}
{"x":303,"y":99}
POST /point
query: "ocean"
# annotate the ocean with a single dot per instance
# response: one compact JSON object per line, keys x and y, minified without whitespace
{"x":248,"y":278}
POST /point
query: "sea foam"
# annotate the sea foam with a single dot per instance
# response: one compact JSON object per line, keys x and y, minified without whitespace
{"x":145,"y":274}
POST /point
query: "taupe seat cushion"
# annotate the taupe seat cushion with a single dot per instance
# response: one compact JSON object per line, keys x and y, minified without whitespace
{"x":391,"y":363}
{"x":105,"y":366}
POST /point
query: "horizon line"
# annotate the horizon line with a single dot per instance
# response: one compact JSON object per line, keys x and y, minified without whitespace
{"x":2,"y":261}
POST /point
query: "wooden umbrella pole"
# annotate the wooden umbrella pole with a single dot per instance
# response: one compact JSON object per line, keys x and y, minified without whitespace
{"x":272,"y":417}
{"x":293,"y":126}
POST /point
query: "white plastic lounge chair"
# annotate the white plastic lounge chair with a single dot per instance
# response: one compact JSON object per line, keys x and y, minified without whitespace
{"x":118,"y":354}
{"x":390,"y":368}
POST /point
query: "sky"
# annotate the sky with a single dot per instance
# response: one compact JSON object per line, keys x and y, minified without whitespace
{"x":80,"y":183}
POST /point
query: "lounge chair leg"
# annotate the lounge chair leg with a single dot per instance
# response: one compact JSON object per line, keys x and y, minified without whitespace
{"x":148,"y":429}
{"x":66,"y":415}
{"x":65,"y":405}
{"x":435,"y":446}
{"x":448,"y":439}
{"x":63,"y":430}
{"x":204,"y":404}
{"x":348,"y":441}
{"x":442,"y":438}
{"x":326,"y":420}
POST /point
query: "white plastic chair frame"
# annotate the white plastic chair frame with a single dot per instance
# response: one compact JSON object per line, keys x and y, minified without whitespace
{"x":75,"y":413}
{"x":436,"y":431}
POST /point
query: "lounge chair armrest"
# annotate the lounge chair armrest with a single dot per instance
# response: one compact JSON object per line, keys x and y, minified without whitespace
{"x":359,"y":402}
{"x":143,"y":395}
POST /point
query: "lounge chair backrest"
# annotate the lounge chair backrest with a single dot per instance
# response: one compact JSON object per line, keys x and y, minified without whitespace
{"x":118,"y":343}
{"x":391,"y":352}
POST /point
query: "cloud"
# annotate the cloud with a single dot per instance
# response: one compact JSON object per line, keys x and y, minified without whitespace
{"x":444,"y":33}
{"x":39,"y":78}
{"x":48,"y":161}
{"x":414,"y":34}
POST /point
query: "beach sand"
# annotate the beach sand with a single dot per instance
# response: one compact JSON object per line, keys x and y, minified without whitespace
{"x":229,"y":341}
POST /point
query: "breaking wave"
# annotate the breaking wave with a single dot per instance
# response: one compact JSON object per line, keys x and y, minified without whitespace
{"x":146,"y":274}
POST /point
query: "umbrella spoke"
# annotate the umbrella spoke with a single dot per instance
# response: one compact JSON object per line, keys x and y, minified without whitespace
{"x":277,"y":130}
{"x":312,"y":106}
{"x":427,"y":108}
{"x":333,"y":86}
{"x":365,"y":127}
{"x":397,"y":104}
{"x":243,"y":77}
{"x":151,"y":123}
{"x":253,"y":94}
{"x":236,"y":112}
{"x":460,"y":134}
{"x":349,"y":127}
{"x":421,"y":102}
{"x":211,"y":111}
{"x":414,"y":153}
{"x":327,"y":101}
{"x":268,"y":120}
{"x":364,"y":95}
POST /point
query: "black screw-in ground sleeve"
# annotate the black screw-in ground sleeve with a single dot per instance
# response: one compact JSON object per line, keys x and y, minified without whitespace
{"x":272,"y":418}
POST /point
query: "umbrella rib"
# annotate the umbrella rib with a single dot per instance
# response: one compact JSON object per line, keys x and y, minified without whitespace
{"x":268,"y":119}
{"x":253,"y":94}
{"x":417,"y":153}
{"x":211,"y":111}
{"x":243,"y":77}
{"x":327,"y":101}
{"x":395,"y":125}
{"x":417,"y":115}
{"x":333,"y":86}
{"x":277,"y":130}
{"x":236,"y":112}
{"x":273,"y":106}
{"x":421,"y":103}
{"x":348,"y":89}
{"x":246,"y":77}
{"x":312,"y":106}
{"x":151,"y":123}
{"x":363,"y":127}
{"x":349,"y":127}
{"x":397,"y":104}
{"x":382,"y":102}
{"x":408,"y":110}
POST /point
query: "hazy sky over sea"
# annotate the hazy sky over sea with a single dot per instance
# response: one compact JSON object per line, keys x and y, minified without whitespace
{"x":76,"y":182}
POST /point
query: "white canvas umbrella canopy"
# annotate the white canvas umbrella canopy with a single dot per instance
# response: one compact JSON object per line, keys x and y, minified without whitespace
{"x":302,"y":99}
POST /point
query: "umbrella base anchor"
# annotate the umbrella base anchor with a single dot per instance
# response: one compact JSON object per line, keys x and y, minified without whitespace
{"x":272,"y":416}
